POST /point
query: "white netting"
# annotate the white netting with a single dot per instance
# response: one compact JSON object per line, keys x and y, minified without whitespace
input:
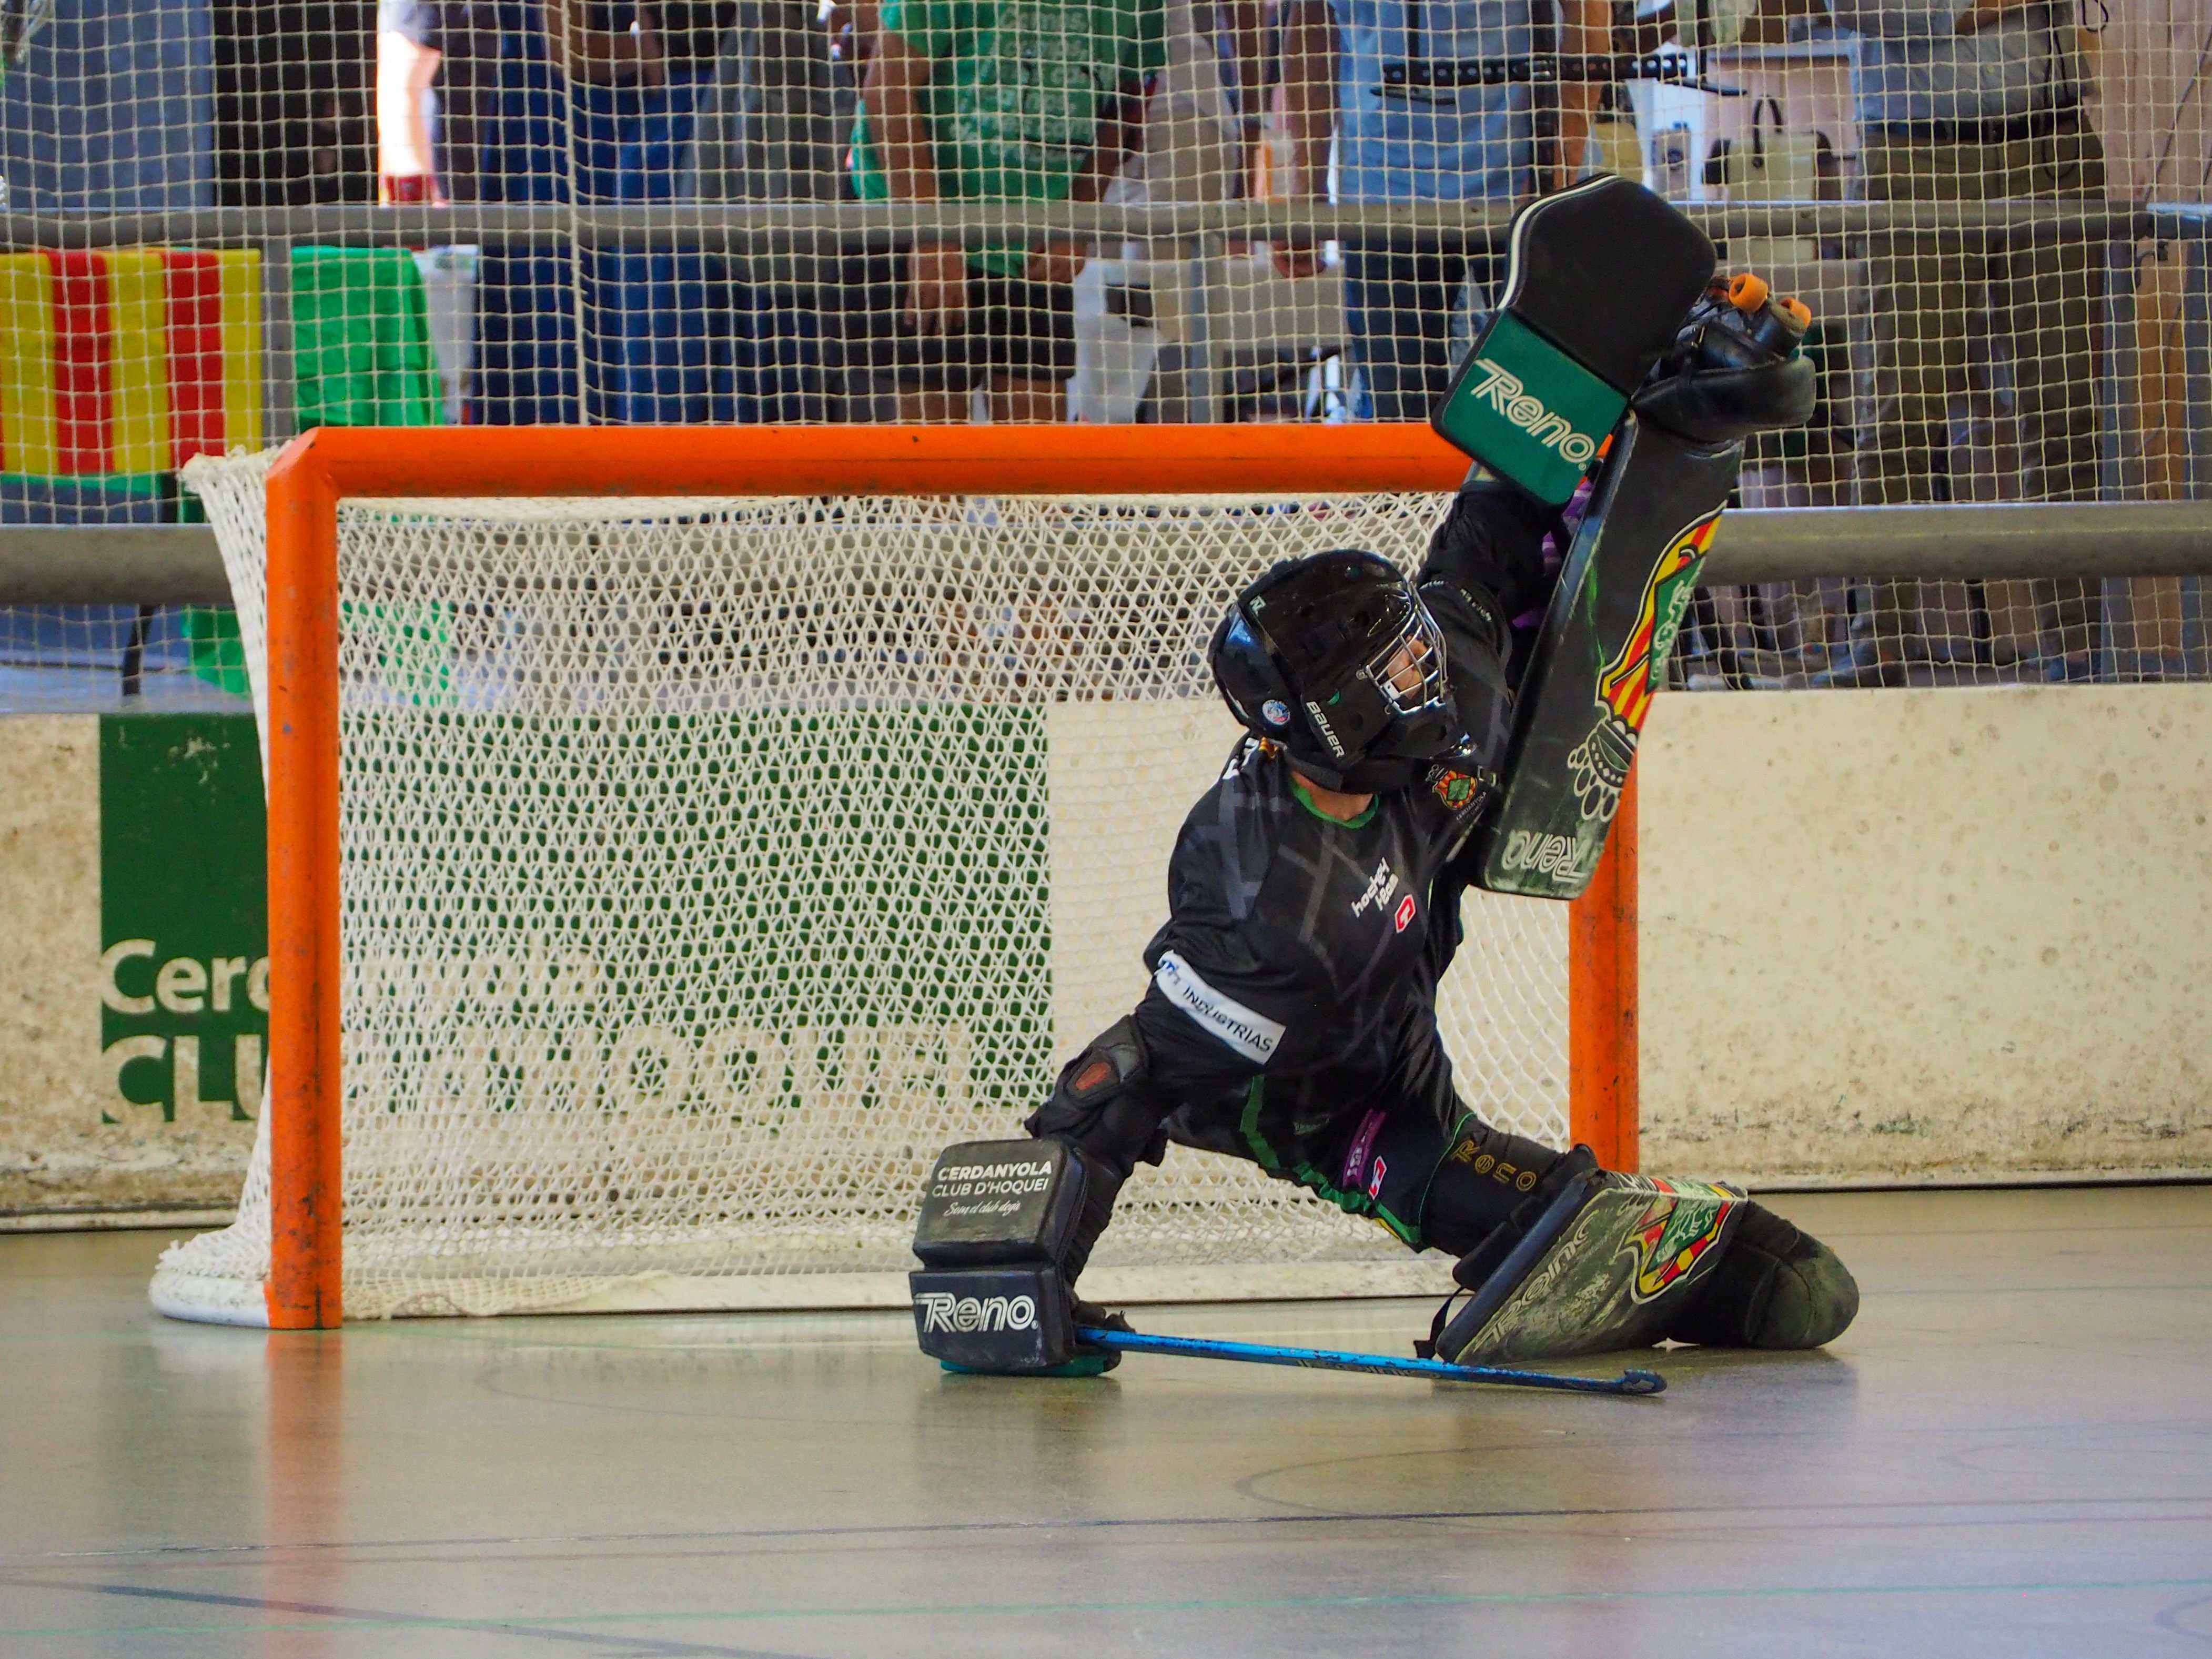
{"x":703,"y":244}
{"x":709,"y":865}
{"x":687,"y":211}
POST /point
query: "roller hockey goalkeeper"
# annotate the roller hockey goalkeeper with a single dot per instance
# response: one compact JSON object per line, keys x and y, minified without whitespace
{"x":1291,"y":1017}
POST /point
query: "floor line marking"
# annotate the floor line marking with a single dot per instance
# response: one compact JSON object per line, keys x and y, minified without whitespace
{"x":1496,"y":1598}
{"x":336,"y":1617}
{"x":1312,"y":1518}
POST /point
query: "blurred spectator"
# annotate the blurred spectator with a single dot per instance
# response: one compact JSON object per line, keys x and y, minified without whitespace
{"x":592,"y":48}
{"x":409,"y":46}
{"x":1975,"y":100}
{"x":766,"y":127}
{"x":1192,"y":147}
{"x":109,"y":109}
{"x":1397,"y":84}
{"x":1019,"y":101}
{"x":592,"y":102}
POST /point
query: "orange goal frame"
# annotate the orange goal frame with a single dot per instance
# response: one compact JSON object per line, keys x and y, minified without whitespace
{"x":319,"y":467}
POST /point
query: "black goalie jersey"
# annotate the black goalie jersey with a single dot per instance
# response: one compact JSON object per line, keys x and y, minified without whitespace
{"x":1294,"y":986}
{"x":1293,"y":989}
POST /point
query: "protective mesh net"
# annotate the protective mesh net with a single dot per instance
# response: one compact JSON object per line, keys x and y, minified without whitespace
{"x":680,"y":211}
{"x":709,"y":865}
{"x":64,"y":658}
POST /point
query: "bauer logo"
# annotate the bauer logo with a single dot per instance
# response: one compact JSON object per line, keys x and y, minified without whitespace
{"x":942,"y":1311}
{"x":1494,"y":384}
{"x":1327,"y":732}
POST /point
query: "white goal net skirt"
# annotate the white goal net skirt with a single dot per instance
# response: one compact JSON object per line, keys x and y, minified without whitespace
{"x":709,"y":865}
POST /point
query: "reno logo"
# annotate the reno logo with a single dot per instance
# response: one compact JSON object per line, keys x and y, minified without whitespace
{"x":1379,"y":886}
{"x":1560,"y":857}
{"x":1502,"y":391}
{"x":1669,"y":1240}
{"x":942,"y":1311}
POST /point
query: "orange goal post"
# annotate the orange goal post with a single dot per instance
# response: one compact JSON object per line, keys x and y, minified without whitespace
{"x":676,"y":835}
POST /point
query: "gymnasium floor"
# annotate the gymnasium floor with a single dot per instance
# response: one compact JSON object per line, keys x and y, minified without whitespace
{"x":2010,"y":1453}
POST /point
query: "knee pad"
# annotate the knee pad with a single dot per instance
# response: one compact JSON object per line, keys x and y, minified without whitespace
{"x":1101,"y":1106}
{"x":1777,"y":1287}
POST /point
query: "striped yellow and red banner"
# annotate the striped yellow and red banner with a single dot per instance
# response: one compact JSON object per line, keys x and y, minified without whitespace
{"x":127,"y":360}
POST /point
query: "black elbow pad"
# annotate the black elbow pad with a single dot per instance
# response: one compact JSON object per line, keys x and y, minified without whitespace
{"x":1490,"y":548}
{"x":1478,"y":644}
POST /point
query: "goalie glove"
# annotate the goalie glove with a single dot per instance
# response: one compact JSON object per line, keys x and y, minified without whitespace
{"x":1734,"y":367}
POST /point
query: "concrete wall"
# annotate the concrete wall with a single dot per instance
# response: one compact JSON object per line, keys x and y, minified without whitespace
{"x":129,"y":911}
{"x":1911,"y":935}
{"x":52,"y":1153}
{"x":1887,"y":936}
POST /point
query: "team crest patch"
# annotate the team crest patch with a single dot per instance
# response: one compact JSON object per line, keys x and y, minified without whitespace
{"x":1669,"y":1239}
{"x":1455,"y":789}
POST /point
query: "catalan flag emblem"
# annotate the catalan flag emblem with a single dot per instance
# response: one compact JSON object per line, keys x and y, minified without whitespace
{"x":127,"y":360}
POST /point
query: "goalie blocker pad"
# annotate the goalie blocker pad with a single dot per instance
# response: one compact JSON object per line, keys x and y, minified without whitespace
{"x":1571,"y":340}
{"x":997,"y":1216}
{"x":1611,"y":1263}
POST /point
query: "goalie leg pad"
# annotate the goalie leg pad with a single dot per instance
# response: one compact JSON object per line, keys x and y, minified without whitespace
{"x":998,"y":1220}
{"x":1776,"y":1287}
{"x":1613,"y":1262}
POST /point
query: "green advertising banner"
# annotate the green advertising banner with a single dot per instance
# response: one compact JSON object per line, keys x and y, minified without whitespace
{"x":184,"y":917}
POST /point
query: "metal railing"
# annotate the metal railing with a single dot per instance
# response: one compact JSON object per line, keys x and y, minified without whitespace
{"x":180,"y":564}
{"x":826,"y":227}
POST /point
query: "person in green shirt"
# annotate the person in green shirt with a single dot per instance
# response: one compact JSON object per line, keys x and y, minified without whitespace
{"x":990,"y":101}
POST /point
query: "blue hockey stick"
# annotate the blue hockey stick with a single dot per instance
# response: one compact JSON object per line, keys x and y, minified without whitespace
{"x":1332,"y":1359}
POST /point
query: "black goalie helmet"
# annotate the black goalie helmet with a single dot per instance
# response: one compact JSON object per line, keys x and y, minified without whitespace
{"x":1335,"y":657}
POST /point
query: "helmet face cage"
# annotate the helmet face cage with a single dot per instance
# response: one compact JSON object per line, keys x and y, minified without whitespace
{"x":1409,"y":670}
{"x":1336,"y":658}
